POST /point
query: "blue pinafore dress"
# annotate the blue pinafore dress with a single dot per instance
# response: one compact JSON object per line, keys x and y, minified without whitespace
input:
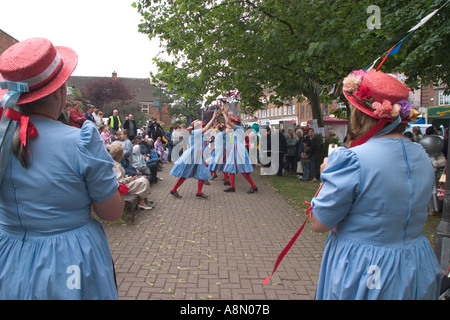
{"x":237,"y":158}
{"x":51,"y":247}
{"x":376,"y":195}
{"x":191,"y":163}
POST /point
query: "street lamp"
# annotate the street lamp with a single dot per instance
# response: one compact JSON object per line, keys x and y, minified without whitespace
{"x":159,"y":103}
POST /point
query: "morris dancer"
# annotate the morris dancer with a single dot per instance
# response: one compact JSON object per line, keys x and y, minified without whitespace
{"x":217,"y":160}
{"x":191,"y":163}
{"x":237,"y":159}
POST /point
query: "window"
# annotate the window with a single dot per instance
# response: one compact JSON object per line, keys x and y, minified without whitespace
{"x":144,"y":108}
{"x":444,"y":99}
{"x":276,"y":112}
{"x":263,"y":113}
{"x":289,"y":110}
{"x":285,"y":110}
{"x":271,"y":112}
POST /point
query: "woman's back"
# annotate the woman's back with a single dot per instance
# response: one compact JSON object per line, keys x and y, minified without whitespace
{"x":54,"y":193}
{"x":388,"y":210}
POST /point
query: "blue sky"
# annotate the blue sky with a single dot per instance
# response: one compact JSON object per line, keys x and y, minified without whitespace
{"x":102,"y":32}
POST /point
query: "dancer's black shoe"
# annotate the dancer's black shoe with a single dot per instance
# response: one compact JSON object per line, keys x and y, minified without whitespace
{"x":253,"y":190}
{"x":201,"y":195}
{"x":175,"y":193}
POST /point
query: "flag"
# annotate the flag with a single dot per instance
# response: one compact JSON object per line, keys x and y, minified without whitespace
{"x":424,"y":20}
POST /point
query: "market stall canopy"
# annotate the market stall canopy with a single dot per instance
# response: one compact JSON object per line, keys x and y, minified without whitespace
{"x":439,"y":112}
{"x":439,"y":116}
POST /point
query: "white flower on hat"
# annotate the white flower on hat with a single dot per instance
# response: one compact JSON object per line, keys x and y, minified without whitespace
{"x":352,"y":82}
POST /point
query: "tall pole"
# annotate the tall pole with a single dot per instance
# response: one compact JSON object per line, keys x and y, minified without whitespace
{"x":442,"y":242}
{"x":160,"y":101}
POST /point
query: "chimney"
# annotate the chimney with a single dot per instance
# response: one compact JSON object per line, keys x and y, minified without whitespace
{"x":114,"y":77}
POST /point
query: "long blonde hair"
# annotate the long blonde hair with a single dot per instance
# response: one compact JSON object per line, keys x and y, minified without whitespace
{"x":361,"y":123}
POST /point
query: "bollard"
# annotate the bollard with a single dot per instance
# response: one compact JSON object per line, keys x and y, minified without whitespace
{"x":442,"y":242}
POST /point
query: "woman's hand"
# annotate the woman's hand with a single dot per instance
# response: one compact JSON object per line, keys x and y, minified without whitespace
{"x":324,"y":164}
{"x":441,"y":194}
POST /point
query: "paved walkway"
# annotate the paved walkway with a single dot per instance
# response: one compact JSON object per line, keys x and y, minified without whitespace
{"x":214,"y":249}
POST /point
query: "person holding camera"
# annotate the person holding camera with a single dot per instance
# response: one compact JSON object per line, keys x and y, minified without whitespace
{"x":369,"y":201}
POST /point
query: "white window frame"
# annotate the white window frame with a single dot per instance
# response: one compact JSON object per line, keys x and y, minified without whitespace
{"x":444,"y":99}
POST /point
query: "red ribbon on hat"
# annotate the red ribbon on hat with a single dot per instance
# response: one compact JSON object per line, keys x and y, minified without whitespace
{"x":26,"y":127}
{"x":377,"y":127}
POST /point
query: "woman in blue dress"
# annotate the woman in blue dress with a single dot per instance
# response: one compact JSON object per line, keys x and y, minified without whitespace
{"x":191,"y":163}
{"x":218,"y":156}
{"x":51,"y":247}
{"x":368,"y":199}
{"x":237,"y":158}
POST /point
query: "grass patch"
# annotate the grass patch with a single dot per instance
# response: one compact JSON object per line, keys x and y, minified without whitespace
{"x":296,"y":191}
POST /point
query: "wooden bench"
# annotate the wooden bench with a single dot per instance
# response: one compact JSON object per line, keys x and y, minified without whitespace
{"x":133,"y":200}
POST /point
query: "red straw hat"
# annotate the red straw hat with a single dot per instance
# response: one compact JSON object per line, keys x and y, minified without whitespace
{"x":194,"y":123}
{"x":379,"y":95}
{"x":36,"y":62}
{"x":236,"y":120}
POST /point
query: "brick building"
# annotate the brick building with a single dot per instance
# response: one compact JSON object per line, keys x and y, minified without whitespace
{"x":292,"y":113}
{"x":141,"y":87}
{"x":433,"y":96}
{"x":6,"y":41}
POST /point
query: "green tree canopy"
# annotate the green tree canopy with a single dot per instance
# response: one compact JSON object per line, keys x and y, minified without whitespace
{"x":283,"y":48}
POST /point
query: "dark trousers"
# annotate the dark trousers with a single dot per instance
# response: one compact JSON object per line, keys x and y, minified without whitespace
{"x":280,"y":164}
{"x":291,"y":164}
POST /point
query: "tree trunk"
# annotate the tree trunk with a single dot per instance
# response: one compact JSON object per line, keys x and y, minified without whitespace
{"x":314,"y":100}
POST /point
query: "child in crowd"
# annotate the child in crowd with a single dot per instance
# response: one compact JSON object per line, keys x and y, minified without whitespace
{"x":104,"y":133}
{"x":305,"y":160}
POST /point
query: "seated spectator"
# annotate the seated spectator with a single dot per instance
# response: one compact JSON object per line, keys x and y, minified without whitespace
{"x":145,"y":147}
{"x":159,"y":148}
{"x":129,"y":169}
{"x":127,"y":146}
{"x":116,"y":137}
{"x":137,"y":185}
{"x":148,"y":168}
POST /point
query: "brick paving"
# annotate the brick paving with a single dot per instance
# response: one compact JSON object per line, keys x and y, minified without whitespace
{"x":221,"y":248}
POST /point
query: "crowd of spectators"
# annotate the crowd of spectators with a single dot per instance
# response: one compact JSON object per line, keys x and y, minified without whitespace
{"x":138,"y":153}
{"x":298,"y":152}
{"x":299,"y":149}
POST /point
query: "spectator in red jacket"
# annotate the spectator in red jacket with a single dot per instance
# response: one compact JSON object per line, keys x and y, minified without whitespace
{"x":76,"y":116}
